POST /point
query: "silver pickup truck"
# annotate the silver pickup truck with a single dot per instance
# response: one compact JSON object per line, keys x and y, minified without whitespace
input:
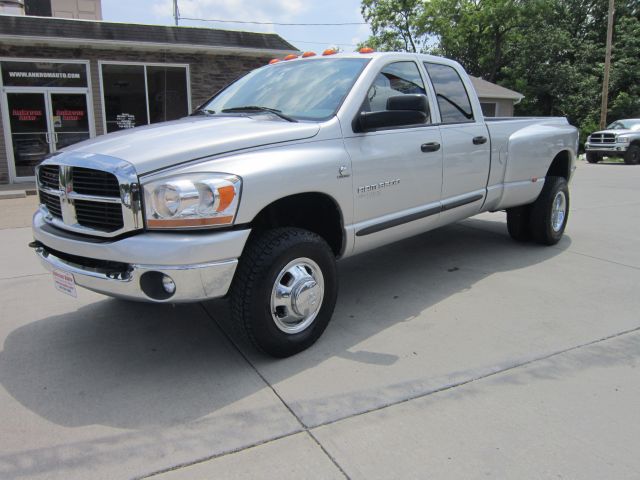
{"x":620,"y":139}
{"x":295,"y":165}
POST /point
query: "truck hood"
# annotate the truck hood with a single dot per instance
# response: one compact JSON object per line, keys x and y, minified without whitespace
{"x":162,"y":145}
{"x":618,"y":131}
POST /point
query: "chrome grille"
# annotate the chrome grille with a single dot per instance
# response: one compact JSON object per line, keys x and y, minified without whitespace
{"x":49,"y":176}
{"x":52,"y":202}
{"x":101,"y":216}
{"x":94,"y":182}
{"x":603,"y":138}
{"x":96,"y":196}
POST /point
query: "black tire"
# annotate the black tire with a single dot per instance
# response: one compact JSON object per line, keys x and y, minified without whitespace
{"x":632,"y":155}
{"x":262,"y":263}
{"x":593,"y":157}
{"x":541,"y":223}
{"x":518,"y":223}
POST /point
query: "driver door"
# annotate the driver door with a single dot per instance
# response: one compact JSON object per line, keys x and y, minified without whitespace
{"x":397,"y":171}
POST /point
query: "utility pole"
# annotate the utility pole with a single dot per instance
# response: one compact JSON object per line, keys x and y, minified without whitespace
{"x":176,"y":12}
{"x":607,"y":67}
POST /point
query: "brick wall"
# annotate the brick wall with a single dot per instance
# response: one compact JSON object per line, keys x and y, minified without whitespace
{"x":208,"y":73}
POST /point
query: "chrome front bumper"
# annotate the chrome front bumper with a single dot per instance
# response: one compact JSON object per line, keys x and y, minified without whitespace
{"x":201,"y":265}
{"x":612,"y":148}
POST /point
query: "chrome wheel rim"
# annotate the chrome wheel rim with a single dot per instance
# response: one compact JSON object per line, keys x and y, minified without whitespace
{"x":297,"y":294}
{"x":558,"y":211}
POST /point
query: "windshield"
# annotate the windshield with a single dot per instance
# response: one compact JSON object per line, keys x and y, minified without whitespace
{"x":633,"y":124}
{"x":301,"y":89}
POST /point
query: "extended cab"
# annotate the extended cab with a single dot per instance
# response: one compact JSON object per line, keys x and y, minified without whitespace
{"x":620,"y":139}
{"x":295,"y":165}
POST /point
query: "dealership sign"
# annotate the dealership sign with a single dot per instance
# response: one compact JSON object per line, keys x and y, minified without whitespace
{"x":43,"y":74}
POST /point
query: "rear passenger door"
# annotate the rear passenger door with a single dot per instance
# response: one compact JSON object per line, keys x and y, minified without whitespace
{"x":465,"y":143}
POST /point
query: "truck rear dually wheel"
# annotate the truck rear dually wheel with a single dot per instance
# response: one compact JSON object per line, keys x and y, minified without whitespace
{"x":550,"y":211}
{"x":518,"y":219}
{"x":285,"y":290}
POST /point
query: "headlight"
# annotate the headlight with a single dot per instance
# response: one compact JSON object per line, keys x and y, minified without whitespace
{"x":623,"y":139}
{"x":197,"y":200}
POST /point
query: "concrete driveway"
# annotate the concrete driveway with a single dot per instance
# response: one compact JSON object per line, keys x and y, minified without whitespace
{"x":455,"y":354}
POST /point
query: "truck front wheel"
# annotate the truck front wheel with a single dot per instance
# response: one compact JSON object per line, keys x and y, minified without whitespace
{"x":285,"y":290}
{"x":632,"y":155}
{"x":592,"y":157}
{"x":550,"y":211}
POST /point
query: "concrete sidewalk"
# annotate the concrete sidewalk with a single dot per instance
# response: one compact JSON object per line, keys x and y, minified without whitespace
{"x":455,"y":354}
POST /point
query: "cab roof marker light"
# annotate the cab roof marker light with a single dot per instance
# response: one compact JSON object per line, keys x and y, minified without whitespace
{"x":366,"y":50}
{"x":274,"y":60}
{"x":291,"y":56}
{"x":330,"y":51}
{"x":308,"y":54}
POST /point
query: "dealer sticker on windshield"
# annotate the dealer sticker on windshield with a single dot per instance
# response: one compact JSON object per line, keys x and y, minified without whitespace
{"x":65,"y":283}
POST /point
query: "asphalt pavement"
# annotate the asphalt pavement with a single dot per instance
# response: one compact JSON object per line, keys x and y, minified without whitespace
{"x":454,"y":354}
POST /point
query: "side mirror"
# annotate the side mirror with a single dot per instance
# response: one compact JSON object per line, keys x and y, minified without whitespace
{"x":401,"y":110}
{"x":413,"y":101}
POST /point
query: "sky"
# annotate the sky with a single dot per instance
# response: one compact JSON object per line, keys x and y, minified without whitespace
{"x":314,"y":38}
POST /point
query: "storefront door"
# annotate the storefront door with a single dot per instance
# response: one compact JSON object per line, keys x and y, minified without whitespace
{"x":29,"y":130}
{"x":46,"y":106}
{"x":69,"y":119}
{"x":43,"y":122}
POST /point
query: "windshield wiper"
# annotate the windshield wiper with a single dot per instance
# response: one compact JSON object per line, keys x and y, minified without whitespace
{"x":255,"y":108}
{"x":204,"y":111}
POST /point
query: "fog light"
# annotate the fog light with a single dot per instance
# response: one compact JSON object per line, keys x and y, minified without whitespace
{"x":168,"y":284}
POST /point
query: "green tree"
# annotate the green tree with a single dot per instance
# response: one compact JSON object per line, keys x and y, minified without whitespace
{"x":475,"y":32}
{"x":393,"y":23}
{"x":552,"y":51}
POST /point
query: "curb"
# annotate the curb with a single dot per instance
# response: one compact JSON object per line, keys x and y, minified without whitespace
{"x":8,"y":194}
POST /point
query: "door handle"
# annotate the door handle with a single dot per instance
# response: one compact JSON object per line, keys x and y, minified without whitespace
{"x":479,"y":140}
{"x":430,"y":147}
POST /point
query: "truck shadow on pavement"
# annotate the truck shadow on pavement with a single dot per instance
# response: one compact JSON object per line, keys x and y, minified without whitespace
{"x":139,"y":366}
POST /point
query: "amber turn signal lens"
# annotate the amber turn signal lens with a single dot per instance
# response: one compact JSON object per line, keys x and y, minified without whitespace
{"x":226,"y":197}
{"x":308,"y":54}
{"x":189,"y":222}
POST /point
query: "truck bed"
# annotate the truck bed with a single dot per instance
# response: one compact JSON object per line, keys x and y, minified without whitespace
{"x":517,"y":145}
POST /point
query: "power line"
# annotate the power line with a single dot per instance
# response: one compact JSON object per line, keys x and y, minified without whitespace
{"x":274,"y":23}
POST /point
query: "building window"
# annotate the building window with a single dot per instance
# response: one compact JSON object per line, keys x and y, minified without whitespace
{"x":39,"y":8}
{"x":138,"y":94}
{"x":167,"y":93}
{"x":489,"y":109}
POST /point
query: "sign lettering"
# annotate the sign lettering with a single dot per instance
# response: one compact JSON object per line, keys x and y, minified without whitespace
{"x":17,"y":73}
{"x":126,"y":120}
{"x":25,"y":115}
{"x":70,"y":115}
{"x":65,"y":75}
